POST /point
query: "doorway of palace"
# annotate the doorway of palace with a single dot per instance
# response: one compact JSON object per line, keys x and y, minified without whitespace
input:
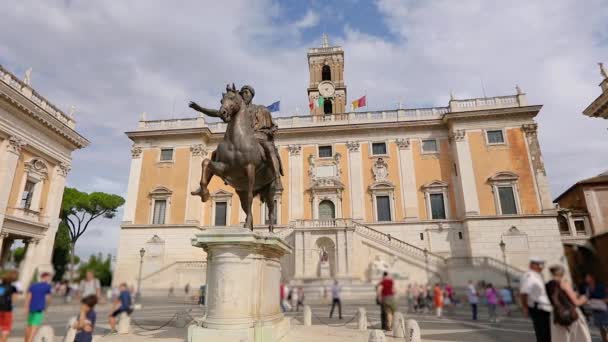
{"x":326,"y":264}
{"x":327,"y":210}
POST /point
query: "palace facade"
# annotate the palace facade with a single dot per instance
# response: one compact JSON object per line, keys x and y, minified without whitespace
{"x":36,"y":143}
{"x":446,"y":193}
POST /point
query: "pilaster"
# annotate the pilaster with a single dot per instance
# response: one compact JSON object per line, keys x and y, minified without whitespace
{"x":296,"y":183}
{"x":194,"y":207}
{"x":407,"y":177}
{"x":133,"y":186}
{"x":355,"y":171}
{"x":464,"y":164}
{"x":538,"y":166}
{"x":9,"y":156}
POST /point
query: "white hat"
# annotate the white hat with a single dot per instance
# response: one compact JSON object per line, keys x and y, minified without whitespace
{"x":537,"y":260}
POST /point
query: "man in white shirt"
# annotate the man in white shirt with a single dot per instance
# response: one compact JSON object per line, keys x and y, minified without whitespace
{"x":336,"y":292}
{"x":473,"y":298}
{"x":90,"y":286}
{"x":534,"y":300}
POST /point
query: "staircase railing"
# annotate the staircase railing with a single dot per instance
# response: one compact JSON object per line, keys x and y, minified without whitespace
{"x":188,"y":263}
{"x":481,"y":261}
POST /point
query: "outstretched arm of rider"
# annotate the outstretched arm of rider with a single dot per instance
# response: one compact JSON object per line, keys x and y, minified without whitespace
{"x":206,"y":111}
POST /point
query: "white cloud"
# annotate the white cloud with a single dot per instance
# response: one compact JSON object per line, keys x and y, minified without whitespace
{"x":310,"y":19}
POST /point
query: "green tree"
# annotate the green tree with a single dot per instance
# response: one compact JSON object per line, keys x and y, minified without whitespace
{"x":61,"y":251}
{"x":18,"y":255}
{"x":79,"y":209}
{"x":100,"y":267}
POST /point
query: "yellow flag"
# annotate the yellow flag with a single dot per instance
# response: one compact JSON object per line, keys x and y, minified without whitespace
{"x":355,"y":104}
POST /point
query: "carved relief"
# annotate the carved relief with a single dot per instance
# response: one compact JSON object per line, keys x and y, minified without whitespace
{"x":37,"y":167}
{"x":15,"y":144}
{"x":64,"y":169}
{"x":403,"y":144}
{"x":198,"y":150}
{"x":380,"y":170}
{"x":353,"y":146}
{"x":530,"y":129}
{"x":136,"y":152}
{"x":459,"y":135}
{"x":534,"y":147}
{"x":294,"y":150}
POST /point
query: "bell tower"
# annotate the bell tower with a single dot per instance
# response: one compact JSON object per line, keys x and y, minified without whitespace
{"x":326,"y":68}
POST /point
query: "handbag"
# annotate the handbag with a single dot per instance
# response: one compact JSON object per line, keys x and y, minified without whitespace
{"x":564,"y":311}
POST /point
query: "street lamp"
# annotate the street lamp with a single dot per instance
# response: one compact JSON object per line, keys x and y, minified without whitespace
{"x":142,"y":251}
{"x":503,"y":247}
{"x":426,"y":264}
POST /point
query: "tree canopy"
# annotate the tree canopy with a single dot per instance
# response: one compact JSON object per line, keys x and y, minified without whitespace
{"x":102,"y":268}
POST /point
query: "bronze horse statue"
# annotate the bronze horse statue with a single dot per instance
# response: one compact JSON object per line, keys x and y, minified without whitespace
{"x":239,"y":159}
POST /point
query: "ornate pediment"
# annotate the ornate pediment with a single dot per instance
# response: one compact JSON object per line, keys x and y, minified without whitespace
{"x":504,"y":176}
{"x":156,"y":239}
{"x":221,"y":194}
{"x":436,"y":184}
{"x":324,"y":170}
{"x":381,"y":185}
{"x":37,"y":168}
{"x":160,"y":192}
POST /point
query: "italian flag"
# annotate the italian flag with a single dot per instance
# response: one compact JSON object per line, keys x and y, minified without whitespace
{"x":316,"y":103}
{"x":360,"y":102}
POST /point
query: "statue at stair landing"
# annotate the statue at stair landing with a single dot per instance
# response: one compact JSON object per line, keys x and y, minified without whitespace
{"x":378,"y":267}
{"x":324,"y":268}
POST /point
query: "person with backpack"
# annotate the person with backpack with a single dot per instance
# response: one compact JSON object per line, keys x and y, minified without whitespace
{"x":8,"y":292}
{"x":568,"y":324}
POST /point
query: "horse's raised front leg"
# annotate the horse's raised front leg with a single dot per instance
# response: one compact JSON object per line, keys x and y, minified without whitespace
{"x":206,"y":175}
{"x":268,"y":194}
{"x":250,"y":173}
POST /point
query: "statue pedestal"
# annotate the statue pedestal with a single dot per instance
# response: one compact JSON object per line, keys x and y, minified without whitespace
{"x":243,"y":277}
{"x":324,"y":270}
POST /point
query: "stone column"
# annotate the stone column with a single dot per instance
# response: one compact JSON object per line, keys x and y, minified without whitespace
{"x":538,"y":167}
{"x":407,"y":177}
{"x":355,"y":172}
{"x":53,"y":206}
{"x":9,"y":155}
{"x":464,"y":164}
{"x":194,"y":207}
{"x":2,"y":237}
{"x":296,"y":183}
{"x":133,"y":186}
{"x":28,"y":264}
{"x":340,"y":254}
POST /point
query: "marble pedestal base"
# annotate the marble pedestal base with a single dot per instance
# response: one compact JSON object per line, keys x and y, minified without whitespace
{"x":243,"y":277}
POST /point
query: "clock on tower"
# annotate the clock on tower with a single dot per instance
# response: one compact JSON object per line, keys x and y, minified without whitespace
{"x":326,"y":68}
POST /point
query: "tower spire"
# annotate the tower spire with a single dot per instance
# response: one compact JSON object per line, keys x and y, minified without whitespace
{"x":324,"y":40}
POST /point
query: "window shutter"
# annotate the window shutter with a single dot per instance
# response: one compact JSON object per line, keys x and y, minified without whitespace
{"x":437,"y":207}
{"x":383,"y":206}
{"x":507,"y":200}
{"x":220,"y":213}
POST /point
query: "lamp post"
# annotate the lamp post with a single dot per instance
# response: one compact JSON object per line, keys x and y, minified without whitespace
{"x":142,"y":251}
{"x":426,"y":264}
{"x":503,"y":247}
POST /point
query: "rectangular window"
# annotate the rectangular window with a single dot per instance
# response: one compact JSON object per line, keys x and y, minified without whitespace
{"x":383,"y":207}
{"x":507,"y":200}
{"x":437,"y":207}
{"x":325,"y":151}
{"x":495,"y":137}
{"x":460,"y":235}
{"x":274,"y":220}
{"x":378,"y":148}
{"x":421,"y":236}
{"x":220,"y":213}
{"x":429,"y":146}
{"x":160,"y":208}
{"x":166,"y":154}
{"x":579,"y":225}
{"x":28,"y":193}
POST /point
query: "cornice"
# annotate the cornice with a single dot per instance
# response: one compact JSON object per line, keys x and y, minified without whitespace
{"x":27,"y":106}
{"x":527,"y":110}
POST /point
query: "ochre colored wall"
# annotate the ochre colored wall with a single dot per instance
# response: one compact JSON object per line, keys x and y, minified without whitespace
{"x":15,"y":194}
{"x":172,"y":176}
{"x":341,"y":148}
{"x":284,"y":152}
{"x":489,"y":160}
{"x":306,"y":151}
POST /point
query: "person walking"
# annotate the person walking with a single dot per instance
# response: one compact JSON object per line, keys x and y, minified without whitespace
{"x":409,"y":294}
{"x":535,"y":303}
{"x":438,"y":300}
{"x":505,"y":299}
{"x":472,"y":298}
{"x":300,"y":302}
{"x":383,"y":325}
{"x":283,"y":289}
{"x":336,"y":293}
{"x":121,"y":304}
{"x":36,"y":301}
{"x":8,"y":295}
{"x":386,"y":292}
{"x":598,"y":300}
{"x":492,"y":300}
{"x":86,"y":319}
{"x":89,"y":286}
{"x":568,"y":324}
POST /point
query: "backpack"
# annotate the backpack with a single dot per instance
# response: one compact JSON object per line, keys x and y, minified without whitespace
{"x":564,"y":311}
{"x":5,"y":295}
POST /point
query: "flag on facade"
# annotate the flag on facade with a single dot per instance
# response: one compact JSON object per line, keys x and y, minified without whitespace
{"x":311,"y":105}
{"x":360,"y":102}
{"x":320,"y":101}
{"x":275,"y":107}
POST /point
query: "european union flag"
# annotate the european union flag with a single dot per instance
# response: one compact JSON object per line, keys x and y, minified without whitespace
{"x":275,"y":107}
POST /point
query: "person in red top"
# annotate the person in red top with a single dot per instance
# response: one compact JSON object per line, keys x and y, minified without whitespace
{"x":438,"y":298}
{"x":386,"y":293}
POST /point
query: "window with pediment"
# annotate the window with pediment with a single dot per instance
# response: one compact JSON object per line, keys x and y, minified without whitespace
{"x":160,"y":202}
{"x":436,"y":196}
{"x":35,"y":174}
{"x":221,"y":204}
{"x":505,"y":190}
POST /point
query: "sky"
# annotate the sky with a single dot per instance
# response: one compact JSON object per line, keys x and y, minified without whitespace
{"x":114,"y":60}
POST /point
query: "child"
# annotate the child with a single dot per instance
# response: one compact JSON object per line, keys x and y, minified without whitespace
{"x":8,"y":292}
{"x":86,"y":319}
{"x":121,"y":304}
{"x":37,"y":299}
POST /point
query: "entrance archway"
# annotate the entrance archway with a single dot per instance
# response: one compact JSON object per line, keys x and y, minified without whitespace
{"x":327,"y":210}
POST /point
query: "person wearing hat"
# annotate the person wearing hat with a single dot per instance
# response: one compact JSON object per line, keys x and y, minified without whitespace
{"x":534,"y":300}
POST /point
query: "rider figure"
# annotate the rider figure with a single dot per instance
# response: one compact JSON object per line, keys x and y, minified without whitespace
{"x":263,"y":126}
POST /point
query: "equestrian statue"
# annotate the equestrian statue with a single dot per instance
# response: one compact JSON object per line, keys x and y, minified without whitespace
{"x":246,"y":158}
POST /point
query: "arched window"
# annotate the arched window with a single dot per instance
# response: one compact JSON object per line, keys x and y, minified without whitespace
{"x":326,"y":73}
{"x":562,"y":222}
{"x":327,"y":210}
{"x":327,"y":106}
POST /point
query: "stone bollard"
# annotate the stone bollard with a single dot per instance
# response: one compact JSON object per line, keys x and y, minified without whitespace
{"x":45,"y":334}
{"x":124,"y":323}
{"x":362,"y":324}
{"x":376,"y":336}
{"x":412,"y":331}
{"x":307,"y":316}
{"x":70,"y":333}
{"x":398,"y":325}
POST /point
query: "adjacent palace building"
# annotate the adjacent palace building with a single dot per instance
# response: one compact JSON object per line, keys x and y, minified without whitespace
{"x":446,"y":193}
{"x":36,"y":143}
